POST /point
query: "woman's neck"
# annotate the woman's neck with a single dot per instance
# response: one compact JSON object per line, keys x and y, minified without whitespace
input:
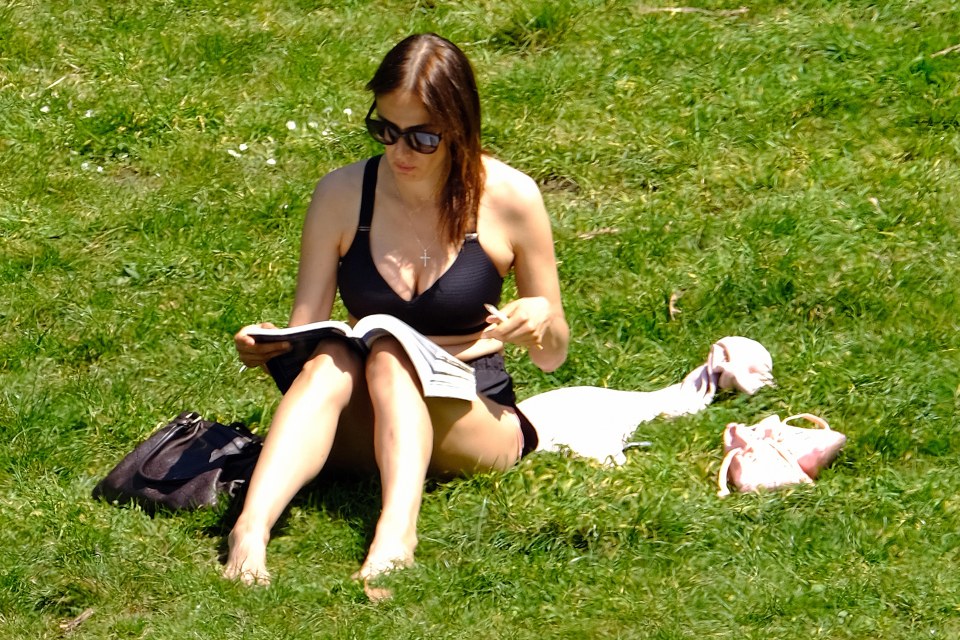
{"x":417,"y":195}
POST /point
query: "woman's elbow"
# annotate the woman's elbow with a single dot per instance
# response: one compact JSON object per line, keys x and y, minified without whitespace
{"x":549,"y":358}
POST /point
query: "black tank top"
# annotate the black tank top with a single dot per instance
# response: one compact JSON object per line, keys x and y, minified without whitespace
{"x":453,"y":305}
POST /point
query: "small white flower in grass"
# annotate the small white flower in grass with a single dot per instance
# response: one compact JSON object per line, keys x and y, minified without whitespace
{"x":233,"y":153}
{"x":291,"y":125}
{"x":84,"y":165}
{"x":326,"y":132}
{"x":88,"y":113}
{"x":243,"y":146}
{"x":271,"y":161}
{"x":348,"y":112}
{"x":45,"y":109}
{"x":312,"y":124}
{"x":99,"y":169}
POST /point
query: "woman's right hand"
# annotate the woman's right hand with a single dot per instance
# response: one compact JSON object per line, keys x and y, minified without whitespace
{"x":253,"y":354}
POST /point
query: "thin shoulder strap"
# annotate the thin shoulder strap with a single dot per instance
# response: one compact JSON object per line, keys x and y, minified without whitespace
{"x":369,"y":193}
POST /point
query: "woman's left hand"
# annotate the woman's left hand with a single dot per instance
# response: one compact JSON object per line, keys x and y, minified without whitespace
{"x":523,"y":322}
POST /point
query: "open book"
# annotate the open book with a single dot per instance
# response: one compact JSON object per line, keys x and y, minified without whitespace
{"x":441,"y":375}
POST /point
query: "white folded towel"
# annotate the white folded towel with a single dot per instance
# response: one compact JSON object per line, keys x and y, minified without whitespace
{"x":596,"y":422}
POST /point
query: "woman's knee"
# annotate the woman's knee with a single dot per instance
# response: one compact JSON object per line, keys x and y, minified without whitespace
{"x":386,"y":363}
{"x":334,"y":367}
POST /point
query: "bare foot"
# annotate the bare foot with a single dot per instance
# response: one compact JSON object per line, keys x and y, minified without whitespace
{"x":376,"y":594}
{"x":381,"y":561}
{"x":247,"y":559}
{"x":379,"y":564}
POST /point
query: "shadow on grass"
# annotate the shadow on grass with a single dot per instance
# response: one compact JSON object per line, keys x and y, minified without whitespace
{"x":350,"y":498}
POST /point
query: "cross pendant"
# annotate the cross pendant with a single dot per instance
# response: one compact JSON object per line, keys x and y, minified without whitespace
{"x":424,"y":257}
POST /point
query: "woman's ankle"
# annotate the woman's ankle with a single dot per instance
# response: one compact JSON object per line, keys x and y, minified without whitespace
{"x":250,"y":528}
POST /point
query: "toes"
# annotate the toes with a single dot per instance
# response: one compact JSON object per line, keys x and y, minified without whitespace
{"x":376,"y":594}
{"x":255,"y":578}
{"x":249,"y":577}
{"x":246,"y":561}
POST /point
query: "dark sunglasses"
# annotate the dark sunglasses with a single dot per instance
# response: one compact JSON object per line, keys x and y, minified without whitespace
{"x":386,"y":132}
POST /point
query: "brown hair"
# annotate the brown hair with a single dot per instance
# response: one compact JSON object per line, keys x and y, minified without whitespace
{"x":440,"y":75}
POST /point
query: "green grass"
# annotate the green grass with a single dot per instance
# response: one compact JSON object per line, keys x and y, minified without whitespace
{"x":793,"y":171}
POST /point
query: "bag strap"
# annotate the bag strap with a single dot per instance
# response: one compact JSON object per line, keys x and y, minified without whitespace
{"x":817,"y":420}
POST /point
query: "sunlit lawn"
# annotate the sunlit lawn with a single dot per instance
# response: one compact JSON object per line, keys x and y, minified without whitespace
{"x":788,"y":172}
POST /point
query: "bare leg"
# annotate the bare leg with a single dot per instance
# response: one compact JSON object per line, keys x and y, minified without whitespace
{"x":296,"y":448}
{"x":392,"y":428}
{"x":414,"y":436}
{"x":403,"y":442}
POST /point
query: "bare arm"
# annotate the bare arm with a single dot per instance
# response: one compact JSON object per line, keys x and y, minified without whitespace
{"x":535,"y":319}
{"x":319,"y":253}
{"x":324,"y":233}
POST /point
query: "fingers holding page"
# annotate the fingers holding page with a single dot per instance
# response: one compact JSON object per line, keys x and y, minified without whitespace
{"x":252,"y":353}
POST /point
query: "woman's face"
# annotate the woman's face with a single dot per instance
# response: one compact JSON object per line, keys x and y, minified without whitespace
{"x":405,"y":111}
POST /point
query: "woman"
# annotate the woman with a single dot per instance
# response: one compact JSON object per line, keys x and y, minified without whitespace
{"x":425,"y":233}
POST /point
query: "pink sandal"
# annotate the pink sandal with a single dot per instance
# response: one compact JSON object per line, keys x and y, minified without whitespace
{"x":814,"y":449}
{"x":756,"y":463}
{"x":773,"y":453}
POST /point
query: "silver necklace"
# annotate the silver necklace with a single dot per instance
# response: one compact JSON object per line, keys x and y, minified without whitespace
{"x":426,"y":256}
{"x":403,"y":205}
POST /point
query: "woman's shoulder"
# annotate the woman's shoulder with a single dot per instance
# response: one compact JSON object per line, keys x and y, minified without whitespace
{"x":500,"y":175}
{"x":336,"y":199}
{"x":346,"y":179}
{"x":340,"y":189}
{"x":510,"y":188}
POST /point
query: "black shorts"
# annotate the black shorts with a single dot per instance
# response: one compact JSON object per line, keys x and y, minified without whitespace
{"x":495,"y":383}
